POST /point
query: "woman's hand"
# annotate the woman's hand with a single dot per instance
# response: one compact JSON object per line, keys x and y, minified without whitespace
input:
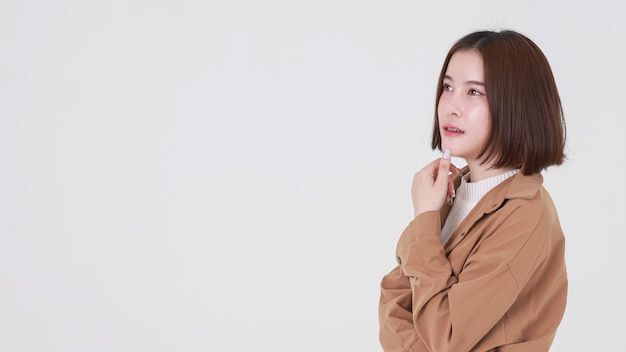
{"x":432,"y":186}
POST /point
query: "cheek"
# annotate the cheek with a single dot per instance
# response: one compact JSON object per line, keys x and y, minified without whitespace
{"x":444,"y":97}
{"x":440,"y":105}
{"x":480,"y":114}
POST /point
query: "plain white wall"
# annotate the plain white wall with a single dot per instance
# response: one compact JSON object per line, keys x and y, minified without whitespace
{"x":234,"y":175}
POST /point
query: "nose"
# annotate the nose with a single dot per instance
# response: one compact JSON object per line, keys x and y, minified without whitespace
{"x":454,"y":108}
{"x":450,"y":104}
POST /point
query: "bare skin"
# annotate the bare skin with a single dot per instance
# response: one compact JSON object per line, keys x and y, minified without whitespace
{"x":432,"y":186}
{"x":464,"y":121}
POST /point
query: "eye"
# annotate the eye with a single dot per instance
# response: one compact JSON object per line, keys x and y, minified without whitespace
{"x":474,"y":92}
{"x":447,"y":87}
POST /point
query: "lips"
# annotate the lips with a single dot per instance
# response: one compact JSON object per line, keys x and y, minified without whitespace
{"x":451,"y":130}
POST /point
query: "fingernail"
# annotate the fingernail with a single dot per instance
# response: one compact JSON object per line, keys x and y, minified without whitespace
{"x":446,"y":154}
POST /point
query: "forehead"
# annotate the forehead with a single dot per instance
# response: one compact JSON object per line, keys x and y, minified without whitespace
{"x":466,"y":65}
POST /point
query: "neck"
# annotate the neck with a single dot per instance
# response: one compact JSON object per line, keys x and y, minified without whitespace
{"x":480,"y":172}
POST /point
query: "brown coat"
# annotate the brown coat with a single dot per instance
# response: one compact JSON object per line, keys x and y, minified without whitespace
{"x":499,"y":284}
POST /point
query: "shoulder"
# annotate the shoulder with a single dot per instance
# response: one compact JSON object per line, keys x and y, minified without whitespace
{"x":526,"y":195}
{"x":521,"y":208}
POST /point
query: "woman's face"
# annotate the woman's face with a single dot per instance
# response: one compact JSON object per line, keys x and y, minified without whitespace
{"x":463,"y":110}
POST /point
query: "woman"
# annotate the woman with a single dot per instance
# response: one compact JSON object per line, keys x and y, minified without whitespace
{"x":481,"y":266}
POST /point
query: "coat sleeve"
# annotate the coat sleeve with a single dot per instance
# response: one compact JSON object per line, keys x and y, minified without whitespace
{"x":450,"y":313}
{"x":397,"y":332}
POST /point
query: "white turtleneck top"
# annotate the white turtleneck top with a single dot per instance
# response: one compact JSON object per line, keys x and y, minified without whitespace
{"x":467,"y":195}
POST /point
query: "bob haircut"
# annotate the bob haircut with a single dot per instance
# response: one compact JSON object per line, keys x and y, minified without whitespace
{"x":527,"y":123}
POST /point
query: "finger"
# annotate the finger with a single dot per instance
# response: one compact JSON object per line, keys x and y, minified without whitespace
{"x":451,"y":190}
{"x":443,"y":170}
{"x":455,"y":170}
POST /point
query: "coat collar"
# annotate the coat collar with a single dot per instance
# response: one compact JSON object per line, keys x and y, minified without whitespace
{"x":518,"y":186}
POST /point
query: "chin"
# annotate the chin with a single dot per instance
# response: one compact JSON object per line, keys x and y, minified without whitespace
{"x":453,"y":148}
{"x":456,"y":152}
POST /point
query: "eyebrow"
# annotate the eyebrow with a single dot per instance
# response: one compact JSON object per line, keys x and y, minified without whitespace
{"x":479,"y":83}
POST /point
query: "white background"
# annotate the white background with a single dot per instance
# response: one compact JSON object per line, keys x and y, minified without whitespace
{"x":234,"y":175}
